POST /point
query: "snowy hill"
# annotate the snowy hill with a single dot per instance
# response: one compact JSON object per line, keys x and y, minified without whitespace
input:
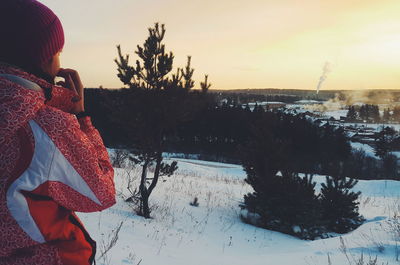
{"x":213,"y":234}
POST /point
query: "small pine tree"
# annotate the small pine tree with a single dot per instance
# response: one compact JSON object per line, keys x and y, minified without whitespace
{"x":159,"y":101}
{"x":375,"y":116}
{"x":288,"y":204}
{"x":339,"y":205}
{"x":383,"y":143}
{"x":396,"y":114}
{"x":205,"y":85}
{"x":363,"y":112}
{"x":187,"y":74}
{"x":386,"y":115}
{"x":352,"y":114}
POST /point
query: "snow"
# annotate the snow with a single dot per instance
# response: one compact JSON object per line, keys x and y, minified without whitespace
{"x":369,"y":150}
{"x":336,"y":113}
{"x":263,"y":103}
{"x":305,"y":101}
{"x":210,"y":169}
{"x":213,"y":234}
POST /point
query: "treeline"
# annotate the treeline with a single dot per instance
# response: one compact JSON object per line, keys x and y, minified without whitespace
{"x":371,"y":113}
{"x":363,"y":166}
{"x":245,"y":98}
{"x":217,"y":132}
{"x":301,"y":94}
{"x":391,"y":114}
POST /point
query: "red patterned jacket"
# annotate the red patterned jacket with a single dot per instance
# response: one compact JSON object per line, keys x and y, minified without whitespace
{"x":51,"y":164}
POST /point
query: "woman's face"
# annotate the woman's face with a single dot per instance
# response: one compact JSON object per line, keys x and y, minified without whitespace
{"x":53,"y":66}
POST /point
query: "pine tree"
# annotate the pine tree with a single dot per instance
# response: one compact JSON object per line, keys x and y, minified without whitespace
{"x":280,"y":146}
{"x":375,"y":116}
{"x":396,"y":114}
{"x":288,"y":204}
{"x":282,"y":200}
{"x":187,"y":75}
{"x":339,"y":204}
{"x":386,"y":115}
{"x":363,"y":112}
{"x":159,"y":101}
{"x":351,"y":114}
{"x":369,"y":113}
{"x":205,"y":85}
{"x":383,"y":143}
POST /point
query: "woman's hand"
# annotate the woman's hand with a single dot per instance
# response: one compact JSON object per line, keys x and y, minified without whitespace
{"x":73,"y":82}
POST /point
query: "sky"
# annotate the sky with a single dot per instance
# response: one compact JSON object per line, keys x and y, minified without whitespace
{"x":242,"y":44}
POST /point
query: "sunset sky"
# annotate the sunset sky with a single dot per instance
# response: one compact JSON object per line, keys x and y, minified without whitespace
{"x":242,"y":44}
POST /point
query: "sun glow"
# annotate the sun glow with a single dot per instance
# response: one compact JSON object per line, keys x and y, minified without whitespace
{"x":242,"y":44}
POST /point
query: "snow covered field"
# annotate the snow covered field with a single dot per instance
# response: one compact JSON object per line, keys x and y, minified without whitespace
{"x":213,"y":234}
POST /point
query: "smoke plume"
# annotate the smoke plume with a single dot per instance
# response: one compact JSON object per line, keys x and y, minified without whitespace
{"x":344,"y":99}
{"x":376,"y":97}
{"x":325,"y":71}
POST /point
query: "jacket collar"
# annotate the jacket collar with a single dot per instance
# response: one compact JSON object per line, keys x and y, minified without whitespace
{"x":61,"y":98}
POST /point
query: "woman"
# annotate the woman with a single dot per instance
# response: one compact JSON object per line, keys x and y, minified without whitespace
{"x":52,"y":160}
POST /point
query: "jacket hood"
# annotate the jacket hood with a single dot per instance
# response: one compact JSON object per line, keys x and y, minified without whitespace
{"x":22,"y":96}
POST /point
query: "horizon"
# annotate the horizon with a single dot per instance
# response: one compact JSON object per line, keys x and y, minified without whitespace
{"x":349,"y":46}
{"x":275,"y":88}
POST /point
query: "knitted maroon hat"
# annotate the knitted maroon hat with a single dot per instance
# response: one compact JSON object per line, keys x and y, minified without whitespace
{"x":31,"y":34}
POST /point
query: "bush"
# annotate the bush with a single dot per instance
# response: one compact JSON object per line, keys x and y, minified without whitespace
{"x":285,"y":202}
{"x":288,"y":204}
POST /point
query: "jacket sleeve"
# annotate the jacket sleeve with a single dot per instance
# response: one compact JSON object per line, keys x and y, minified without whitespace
{"x":81,"y":177}
{"x":97,"y":142}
